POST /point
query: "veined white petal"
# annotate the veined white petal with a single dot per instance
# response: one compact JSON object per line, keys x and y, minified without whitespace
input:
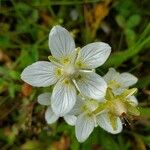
{"x":134,"y":100}
{"x":44,"y":99}
{"x":127,"y":79}
{"x":112,"y":74}
{"x":61,"y":42}
{"x":118,"y":91}
{"x":63,"y":97}
{"x":50,"y":116}
{"x":91,"y":85}
{"x":70,"y":119}
{"x":77,"y":109}
{"x":84,"y":127}
{"x":94,"y":55}
{"x":40,"y":74}
{"x":104,"y":122}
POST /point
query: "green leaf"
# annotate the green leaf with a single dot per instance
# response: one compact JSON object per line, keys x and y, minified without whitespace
{"x":118,"y":58}
{"x":130,"y":37}
{"x":15,"y":75}
{"x":121,"y":21}
{"x":5,"y":41}
{"x":133,"y":21}
{"x":29,"y":55}
{"x":12,"y":88}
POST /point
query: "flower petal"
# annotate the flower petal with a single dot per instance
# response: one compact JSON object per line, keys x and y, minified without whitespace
{"x":77,"y":109}
{"x":44,"y":99}
{"x":104,"y":122}
{"x":112,"y":74}
{"x":127,"y":79}
{"x":50,"y":116}
{"x":91,"y":85}
{"x":70,"y":119}
{"x":84,"y":127}
{"x":61,"y":42}
{"x":93,"y":55}
{"x":63,"y":97}
{"x":40,"y":74}
{"x":134,"y":100}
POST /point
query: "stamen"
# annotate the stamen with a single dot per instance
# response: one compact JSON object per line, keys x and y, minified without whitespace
{"x":86,"y":71}
{"x":125,"y":119}
{"x":75,"y":55}
{"x":75,"y":83}
{"x":54,"y":61}
{"x":79,"y":64}
{"x":65,"y":60}
{"x":58,"y":72}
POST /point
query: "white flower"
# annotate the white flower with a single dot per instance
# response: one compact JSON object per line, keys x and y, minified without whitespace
{"x":50,"y":116}
{"x":106,"y":114}
{"x":85,"y":109}
{"x":119,"y":101}
{"x":69,"y":69}
{"x":117,"y":108}
{"x":118,"y":82}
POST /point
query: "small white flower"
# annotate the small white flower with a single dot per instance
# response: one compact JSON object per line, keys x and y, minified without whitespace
{"x":117,"y":108}
{"x":69,"y":68}
{"x":119,"y":101}
{"x":50,"y":116}
{"x":85,"y":109}
{"x":118,"y":82}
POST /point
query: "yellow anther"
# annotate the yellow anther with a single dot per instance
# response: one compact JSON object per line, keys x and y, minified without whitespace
{"x":58,"y":72}
{"x":79,"y":64}
{"x":52,"y":59}
{"x":66,"y":81}
{"x":65,"y":60}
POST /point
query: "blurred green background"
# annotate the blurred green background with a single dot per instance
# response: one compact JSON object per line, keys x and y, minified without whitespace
{"x":24,"y":29}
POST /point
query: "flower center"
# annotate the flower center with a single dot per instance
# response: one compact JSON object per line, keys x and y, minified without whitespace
{"x":118,"y":108}
{"x":69,"y":70}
